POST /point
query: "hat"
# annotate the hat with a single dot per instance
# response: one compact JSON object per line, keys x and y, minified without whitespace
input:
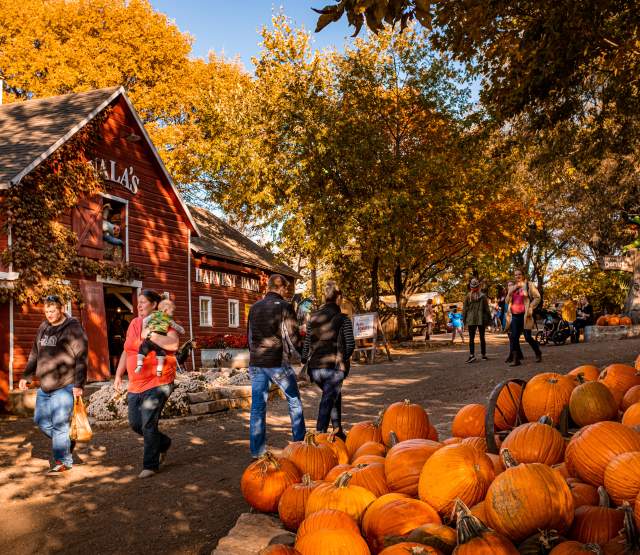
{"x":474,"y":283}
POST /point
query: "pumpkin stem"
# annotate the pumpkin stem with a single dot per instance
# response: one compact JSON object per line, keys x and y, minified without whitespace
{"x":508,"y":459}
{"x":546,"y":419}
{"x":269,"y":459}
{"x":594,"y":548}
{"x":310,"y":438}
{"x":407,"y":402}
{"x":548,"y":538}
{"x":468,"y":526}
{"x":306,"y":480}
{"x":580,"y":378}
{"x":378,"y":421}
{"x":630,"y":531}
{"x":393,"y":438}
{"x":604,"y":497}
{"x":361,"y":465}
{"x":343,"y":480}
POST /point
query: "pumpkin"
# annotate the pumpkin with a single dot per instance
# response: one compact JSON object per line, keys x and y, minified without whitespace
{"x":474,"y":538}
{"x":625,"y":321}
{"x":452,"y":440}
{"x":507,"y":406}
{"x":264,"y":481}
{"x":619,"y":378}
{"x":438,"y":536}
{"x":433,"y":433}
{"x":602,"y":321}
{"x":628,"y":541}
{"x":479,"y":443}
{"x":498,"y":467}
{"x":613,"y":321}
{"x":631,"y":416}
{"x":404,"y":462}
{"x":397,"y":518}
{"x":592,"y":402}
{"x":562,"y":469}
{"x":583,"y":494}
{"x":527,"y":498}
{"x":576,"y":548}
{"x":469,"y":421}
{"x":478,"y":511}
{"x":622,"y":477}
{"x":291,"y":507}
{"x":279,"y":549}
{"x":370,"y":476}
{"x":547,"y":394}
{"x":370,"y":448}
{"x":455,"y":471}
{"x":327,"y":519}
{"x":596,"y":524}
{"x":535,"y":442}
{"x":368,"y":459}
{"x":311,"y":457}
{"x":631,"y":397}
{"x":636,"y":364}
{"x":376,"y":505}
{"x":338,"y":446}
{"x":589,"y":372}
{"x":593,"y":447}
{"x":340,"y":495}
{"x":337,"y":471}
{"x":407,"y":420}
{"x":362,"y":432}
{"x":409,"y":548}
{"x":332,"y":542}
{"x":539,"y":544}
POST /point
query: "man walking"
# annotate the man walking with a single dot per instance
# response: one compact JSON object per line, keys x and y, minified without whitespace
{"x":269,"y":319}
{"x":59,"y":360}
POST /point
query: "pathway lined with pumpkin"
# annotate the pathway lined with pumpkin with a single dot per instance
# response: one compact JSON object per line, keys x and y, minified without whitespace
{"x":393,"y":488}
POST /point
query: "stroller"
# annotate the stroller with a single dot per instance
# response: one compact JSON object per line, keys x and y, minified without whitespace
{"x":555,"y":329}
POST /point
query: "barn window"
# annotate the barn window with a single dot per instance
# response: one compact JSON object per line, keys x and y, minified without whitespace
{"x":115,"y":228}
{"x":234,"y":313}
{"x":205,"y":312}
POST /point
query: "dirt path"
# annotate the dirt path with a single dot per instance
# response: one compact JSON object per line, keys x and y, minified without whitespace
{"x":101,"y":508}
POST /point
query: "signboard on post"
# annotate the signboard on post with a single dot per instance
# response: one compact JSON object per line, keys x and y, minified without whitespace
{"x":367,"y":327}
{"x":622,"y":263}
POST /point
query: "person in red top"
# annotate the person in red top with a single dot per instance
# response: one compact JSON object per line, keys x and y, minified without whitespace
{"x":523,"y":297}
{"x":148,"y":392}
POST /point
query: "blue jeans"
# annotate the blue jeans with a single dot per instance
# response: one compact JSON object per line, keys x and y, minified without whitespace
{"x":53,"y":416}
{"x":261,"y":379}
{"x":330,"y":381}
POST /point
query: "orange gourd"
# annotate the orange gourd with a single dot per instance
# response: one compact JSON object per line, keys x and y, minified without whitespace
{"x":342,"y":496}
{"x":622,"y":477}
{"x":370,"y":448}
{"x":619,"y":378}
{"x":546,"y":395}
{"x":292,"y":504}
{"x":327,"y":519}
{"x":593,"y":447}
{"x":589,"y":372}
{"x":592,"y":402}
{"x":596,"y":524}
{"x":631,"y":416}
{"x":474,"y":538}
{"x":469,"y":421}
{"x":338,"y":446}
{"x":370,"y":476}
{"x":631,"y":397}
{"x":311,"y":457}
{"x":332,"y":542}
{"x":452,"y":472}
{"x":406,"y":420}
{"x":507,"y":406}
{"x":376,"y":505}
{"x":264,"y":481}
{"x":404,"y":461}
{"x":535,"y":442}
{"x":362,"y":432}
{"x":583,"y":494}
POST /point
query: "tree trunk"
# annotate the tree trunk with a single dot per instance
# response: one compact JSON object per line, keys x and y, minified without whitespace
{"x":375,"y":285}
{"x":398,"y":290}
{"x":314,"y":281}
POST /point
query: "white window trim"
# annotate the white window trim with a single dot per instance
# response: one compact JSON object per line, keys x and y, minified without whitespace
{"x":68,"y":308}
{"x":209,"y":312}
{"x":236,"y":303}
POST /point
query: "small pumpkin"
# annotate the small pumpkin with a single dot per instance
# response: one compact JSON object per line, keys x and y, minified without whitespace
{"x":589,"y":372}
{"x":583,"y":494}
{"x":474,"y":538}
{"x":469,"y":421}
{"x":631,"y":397}
{"x":455,"y":471}
{"x":311,"y":457}
{"x":592,"y":402}
{"x":409,"y":548}
{"x":631,"y":416}
{"x":327,"y":519}
{"x":340,"y":495}
{"x":404,"y":461}
{"x":407,"y":420}
{"x":370,"y":448}
{"x":370,"y":476}
{"x":535,"y":442}
{"x":362,"y":432}
{"x":338,"y":446}
{"x":508,"y":406}
{"x":622,"y":477}
{"x":596,"y":524}
{"x":264,"y":481}
{"x":576,"y":548}
{"x":619,"y":378}
{"x":292,"y":504}
{"x":602,"y":321}
{"x":332,"y":542}
{"x":613,"y":321}
{"x":625,"y":321}
{"x":279,"y":549}
{"x":547,"y":394}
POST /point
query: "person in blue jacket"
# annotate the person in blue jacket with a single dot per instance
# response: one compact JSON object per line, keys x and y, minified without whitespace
{"x":457,"y":323}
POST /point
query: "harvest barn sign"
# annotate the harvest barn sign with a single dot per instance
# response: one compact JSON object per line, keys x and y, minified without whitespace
{"x":110,"y":172}
{"x":215,"y":277}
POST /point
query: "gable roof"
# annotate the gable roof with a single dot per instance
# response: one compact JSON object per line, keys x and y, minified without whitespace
{"x":32,"y":130}
{"x":219,"y":240}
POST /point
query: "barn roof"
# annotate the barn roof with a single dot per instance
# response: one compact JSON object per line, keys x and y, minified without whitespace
{"x":220,"y":240}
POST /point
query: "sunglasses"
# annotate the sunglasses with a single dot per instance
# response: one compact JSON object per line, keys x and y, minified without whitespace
{"x":52,"y":299}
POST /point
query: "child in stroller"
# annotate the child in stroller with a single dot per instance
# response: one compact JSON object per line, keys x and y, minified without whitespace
{"x":555,"y":328}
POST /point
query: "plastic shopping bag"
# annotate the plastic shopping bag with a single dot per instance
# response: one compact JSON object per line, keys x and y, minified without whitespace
{"x":80,"y":427}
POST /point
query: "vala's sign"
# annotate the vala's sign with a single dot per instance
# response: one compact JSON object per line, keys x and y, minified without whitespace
{"x":110,"y":172}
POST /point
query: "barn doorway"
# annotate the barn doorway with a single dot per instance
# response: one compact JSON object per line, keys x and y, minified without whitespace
{"x":118,"y":302}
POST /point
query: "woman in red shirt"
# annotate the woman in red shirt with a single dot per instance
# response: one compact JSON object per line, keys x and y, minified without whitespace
{"x":523,"y":297}
{"x":148,"y":392}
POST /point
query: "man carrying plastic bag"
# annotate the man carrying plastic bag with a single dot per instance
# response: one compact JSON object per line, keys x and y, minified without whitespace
{"x":58,"y":359}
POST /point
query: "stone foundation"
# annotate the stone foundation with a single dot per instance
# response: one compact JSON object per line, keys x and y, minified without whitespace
{"x":251,"y":534}
{"x":594,"y":334}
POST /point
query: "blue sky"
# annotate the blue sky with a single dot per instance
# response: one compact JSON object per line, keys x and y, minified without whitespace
{"x":232,"y":27}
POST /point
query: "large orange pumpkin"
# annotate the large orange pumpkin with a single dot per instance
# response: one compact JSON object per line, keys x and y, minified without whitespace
{"x":368,"y":459}
{"x":613,"y":320}
{"x":619,"y":378}
{"x":455,"y":471}
{"x":332,"y":542}
{"x":370,"y":448}
{"x":397,"y":518}
{"x":469,"y":422}
{"x":327,"y":519}
{"x":622,"y":477}
{"x":527,"y":498}
{"x":589,"y":372}
{"x":292,"y":504}
{"x":340,"y":495}
{"x":404,"y":462}
{"x":592,"y":402}
{"x":337,"y":471}
{"x":507,"y":406}
{"x":264,"y":481}
{"x":631,"y":397}
{"x":478,"y":511}
{"x":410,"y":548}
{"x":631,"y":416}
{"x":583,"y":494}
{"x":452,"y":440}
{"x":362,"y":432}
{"x":376,"y":505}
{"x":474,"y":538}
{"x":535,"y":442}
{"x":311,"y":457}
{"x":546,"y":395}
{"x":279,"y":549}
{"x":407,"y":420}
{"x":596,"y":524}
{"x":576,"y":548}
{"x":337,"y":445}
{"x":593,"y":447}
{"x":370,"y":476}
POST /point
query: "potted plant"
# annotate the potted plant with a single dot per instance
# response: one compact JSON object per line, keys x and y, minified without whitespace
{"x":227,"y":350}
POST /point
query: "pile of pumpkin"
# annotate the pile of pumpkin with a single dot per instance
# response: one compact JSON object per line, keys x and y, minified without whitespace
{"x":393,"y":488}
{"x":613,"y":320}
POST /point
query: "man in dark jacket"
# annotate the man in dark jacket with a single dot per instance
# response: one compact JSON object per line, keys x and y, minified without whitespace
{"x":58,"y":359}
{"x":272,"y":327}
{"x":328,"y":346}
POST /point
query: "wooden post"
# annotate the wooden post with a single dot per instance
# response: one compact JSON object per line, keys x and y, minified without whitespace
{"x":632,"y":304}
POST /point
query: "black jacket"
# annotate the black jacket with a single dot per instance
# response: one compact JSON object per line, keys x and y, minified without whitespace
{"x":329,"y":342}
{"x":265,"y":330}
{"x":59,"y":355}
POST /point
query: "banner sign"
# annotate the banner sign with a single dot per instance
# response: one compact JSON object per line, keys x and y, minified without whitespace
{"x":623,"y":263}
{"x":365,"y":326}
{"x":222,"y":279}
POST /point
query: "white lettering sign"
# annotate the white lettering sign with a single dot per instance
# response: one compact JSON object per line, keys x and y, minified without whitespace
{"x":108,"y":170}
{"x":623,"y":263}
{"x":215,"y":277}
{"x":365,"y":325}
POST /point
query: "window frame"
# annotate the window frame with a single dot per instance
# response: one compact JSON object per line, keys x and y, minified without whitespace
{"x":209,"y":312}
{"x":236,"y":304}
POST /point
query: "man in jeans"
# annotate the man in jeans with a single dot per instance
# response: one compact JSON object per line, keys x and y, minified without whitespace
{"x":267,"y":320}
{"x":59,"y":360}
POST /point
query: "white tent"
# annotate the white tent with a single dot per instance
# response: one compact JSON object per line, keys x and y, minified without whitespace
{"x":415,"y":300}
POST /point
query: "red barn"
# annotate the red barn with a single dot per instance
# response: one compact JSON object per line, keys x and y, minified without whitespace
{"x":211,"y":270}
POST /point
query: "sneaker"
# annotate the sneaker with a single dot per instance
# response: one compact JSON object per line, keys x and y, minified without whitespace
{"x":516,"y":362}
{"x":58,"y":468}
{"x":472,"y":358}
{"x":147,"y":473}
{"x":485,"y":357}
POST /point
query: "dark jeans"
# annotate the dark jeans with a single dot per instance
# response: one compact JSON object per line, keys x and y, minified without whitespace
{"x":144,"y":413}
{"x":472,"y":340}
{"x":330,"y":381}
{"x":517,"y":329}
{"x":147,"y":346}
{"x":578,"y":325}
